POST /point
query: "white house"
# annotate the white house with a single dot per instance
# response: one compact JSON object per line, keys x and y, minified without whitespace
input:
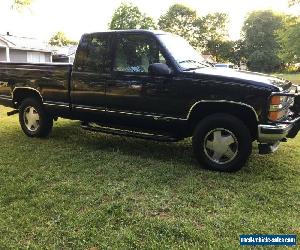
{"x":64,"y":54}
{"x":23,"y":49}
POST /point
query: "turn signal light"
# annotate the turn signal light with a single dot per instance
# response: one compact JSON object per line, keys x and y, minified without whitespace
{"x":276,"y":105}
{"x":275,"y":115}
{"x":276,"y":100}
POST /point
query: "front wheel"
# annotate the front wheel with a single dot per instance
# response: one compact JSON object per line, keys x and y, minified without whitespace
{"x":34,"y":120}
{"x":222,"y":142}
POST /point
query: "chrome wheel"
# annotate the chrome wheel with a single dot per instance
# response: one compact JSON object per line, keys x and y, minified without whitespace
{"x":31,"y":119}
{"x":220,"y":146}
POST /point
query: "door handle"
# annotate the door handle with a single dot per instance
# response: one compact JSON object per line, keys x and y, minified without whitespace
{"x":135,"y":86}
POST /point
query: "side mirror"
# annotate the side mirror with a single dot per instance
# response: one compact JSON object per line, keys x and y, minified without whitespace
{"x":159,"y":69}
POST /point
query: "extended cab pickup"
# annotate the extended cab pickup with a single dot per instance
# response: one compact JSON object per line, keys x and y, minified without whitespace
{"x":154,"y":85}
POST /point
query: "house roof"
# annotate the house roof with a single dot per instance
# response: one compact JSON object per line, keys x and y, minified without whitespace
{"x":25,"y":43}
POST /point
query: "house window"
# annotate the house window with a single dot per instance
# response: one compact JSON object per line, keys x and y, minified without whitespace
{"x":35,"y":57}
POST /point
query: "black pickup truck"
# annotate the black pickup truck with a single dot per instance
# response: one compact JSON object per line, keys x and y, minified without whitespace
{"x":154,"y":85}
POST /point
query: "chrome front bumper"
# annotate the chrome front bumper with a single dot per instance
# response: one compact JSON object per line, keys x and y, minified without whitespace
{"x":274,"y":133}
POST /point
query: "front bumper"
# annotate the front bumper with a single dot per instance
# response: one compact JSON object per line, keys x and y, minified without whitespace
{"x":273,"y":133}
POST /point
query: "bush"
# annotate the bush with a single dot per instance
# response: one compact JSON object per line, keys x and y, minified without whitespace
{"x":291,"y":69}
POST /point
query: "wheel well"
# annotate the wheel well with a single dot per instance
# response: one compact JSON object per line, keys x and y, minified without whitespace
{"x":22,"y":93}
{"x":244,"y":113}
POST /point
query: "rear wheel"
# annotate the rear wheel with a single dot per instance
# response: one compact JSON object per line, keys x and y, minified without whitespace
{"x":222,"y":142}
{"x":34,"y":120}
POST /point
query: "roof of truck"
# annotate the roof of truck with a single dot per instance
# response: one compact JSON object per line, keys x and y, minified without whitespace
{"x":156,"y":32}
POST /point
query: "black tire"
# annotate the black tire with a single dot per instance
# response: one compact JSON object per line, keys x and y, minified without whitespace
{"x":217,"y":133}
{"x":43,"y":122}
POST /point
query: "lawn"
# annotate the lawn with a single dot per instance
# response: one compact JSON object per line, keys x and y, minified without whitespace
{"x":84,"y":190}
{"x":294,"y":78}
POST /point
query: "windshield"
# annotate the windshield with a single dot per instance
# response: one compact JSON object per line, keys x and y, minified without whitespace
{"x":184,"y":54}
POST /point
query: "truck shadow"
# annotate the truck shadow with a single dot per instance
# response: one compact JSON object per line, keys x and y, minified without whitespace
{"x":172,"y":153}
{"x":86,"y":152}
{"x":173,"y":163}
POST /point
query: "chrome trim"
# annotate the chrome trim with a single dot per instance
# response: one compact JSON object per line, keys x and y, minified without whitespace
{"x":58,"y":105}
{"x":119,"y":131}
{"x":273,"y":135}
{"x":30,"y":88}
{"x":90,"y":109}
{"x":95,"y":125}
{"x":155,"y":117}
{"x":2,"y":97}
{"x":222,"y":101}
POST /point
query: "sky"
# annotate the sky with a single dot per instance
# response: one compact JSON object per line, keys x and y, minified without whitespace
{"x":75,"y":17}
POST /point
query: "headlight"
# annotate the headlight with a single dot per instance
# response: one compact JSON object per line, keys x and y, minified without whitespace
{"x":279,"y":106}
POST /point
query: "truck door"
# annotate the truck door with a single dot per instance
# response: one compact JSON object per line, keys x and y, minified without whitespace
{"x":131,"y":90}
{"x":92,"y":67}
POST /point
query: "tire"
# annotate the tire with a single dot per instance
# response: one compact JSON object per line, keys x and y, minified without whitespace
{"x":222,"y":142}
{"x":34,"y":120}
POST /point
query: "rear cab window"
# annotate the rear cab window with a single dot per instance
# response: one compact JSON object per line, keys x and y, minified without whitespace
{"x":94,"y":53}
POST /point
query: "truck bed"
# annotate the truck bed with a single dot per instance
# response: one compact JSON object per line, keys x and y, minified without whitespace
{"x":52,"y":80}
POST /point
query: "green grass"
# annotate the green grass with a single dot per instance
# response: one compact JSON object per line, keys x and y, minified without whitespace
{"x":294,"y":78}
{"x":84,"y":190}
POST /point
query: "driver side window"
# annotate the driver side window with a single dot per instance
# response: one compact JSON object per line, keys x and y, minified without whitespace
{"x":135,"y":52}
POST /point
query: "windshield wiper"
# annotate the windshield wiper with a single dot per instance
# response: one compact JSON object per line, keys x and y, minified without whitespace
{"x":203,"y":65}
{"x":188,"y":69}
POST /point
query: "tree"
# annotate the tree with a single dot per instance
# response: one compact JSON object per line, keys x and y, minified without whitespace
{"x":215,"y":26}
{"x":60,"y":39}
{"x":222,"y":51}
{"x":212,"y":35}
{"x":261,"y":45}
{"x":20,"y":4}
{"x":198,"y":30}
{"x":293,"y":2}
{"x":128,"y":16}
{"x":289,"y":40}
{"x":180,"y":20}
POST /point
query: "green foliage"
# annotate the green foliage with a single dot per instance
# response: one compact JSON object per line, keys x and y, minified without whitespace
{"x":215,"y":26}
{"x":289,"y":40}
{"x":128,"y":16}
{"x":226,"y":51}
{"x":222,"y":51}
{"x":292,"y":69}
{"x":20,"y":4}
{"x":60,"y":39}
{"x":198,"y":30}
{"x":261,"y":46}
{"x":212,"y":29}
{"x":85,"y":190}
{"x":263,"y":61}
{"x":293,"y":2}
{"x":180,"y":20}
